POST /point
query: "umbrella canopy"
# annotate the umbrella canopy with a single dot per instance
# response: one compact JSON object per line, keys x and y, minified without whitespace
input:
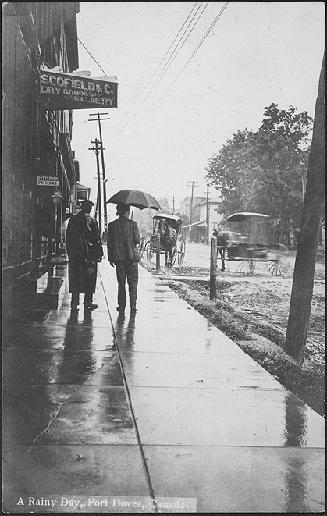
{"x":135,"y":198}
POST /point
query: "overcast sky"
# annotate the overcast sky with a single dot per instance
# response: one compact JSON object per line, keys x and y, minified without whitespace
{"x":256,"y":54}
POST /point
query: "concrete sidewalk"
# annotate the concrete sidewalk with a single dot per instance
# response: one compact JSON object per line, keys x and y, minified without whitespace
{"x":212,"y":423}
{"x":69,"y":442}
{"x":147,"y":413}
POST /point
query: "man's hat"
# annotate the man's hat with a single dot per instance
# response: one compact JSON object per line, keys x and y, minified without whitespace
{"x":86,"y":204}
{"x":122,"y":208}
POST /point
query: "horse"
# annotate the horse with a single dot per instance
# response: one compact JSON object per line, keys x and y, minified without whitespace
{"x":168,"y":239}
{"x":223,"y":242}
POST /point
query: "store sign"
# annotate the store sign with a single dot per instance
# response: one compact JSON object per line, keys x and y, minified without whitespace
{"x":64,"y":91}
{"x":47,"y":181}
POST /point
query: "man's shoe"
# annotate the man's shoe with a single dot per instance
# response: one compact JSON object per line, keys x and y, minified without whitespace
{"x":92,"y":306}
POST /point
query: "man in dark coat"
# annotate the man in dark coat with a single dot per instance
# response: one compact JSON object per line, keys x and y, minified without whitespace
{"x":84,"y":249}
{"x":123,"y":237}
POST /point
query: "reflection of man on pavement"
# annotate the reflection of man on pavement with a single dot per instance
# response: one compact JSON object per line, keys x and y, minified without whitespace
{"x":123,"y":237}
{"x":84,"y":250}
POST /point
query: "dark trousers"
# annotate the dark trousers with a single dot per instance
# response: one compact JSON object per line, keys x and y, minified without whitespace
{"x":88,"y":298}
{"x":127,"y":270}
{"x":82,"y":279}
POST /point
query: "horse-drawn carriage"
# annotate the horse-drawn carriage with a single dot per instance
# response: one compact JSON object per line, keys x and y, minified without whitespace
{"x":246,"y":237}
{"x":167,"y":239}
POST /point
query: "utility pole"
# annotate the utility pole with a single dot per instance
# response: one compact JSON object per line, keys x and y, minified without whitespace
{"x":173,"y":204}
{"x":191,"y":183}
{"x":98,"y":119}
{"x":96,"y":149}
{"x":207,"y":216}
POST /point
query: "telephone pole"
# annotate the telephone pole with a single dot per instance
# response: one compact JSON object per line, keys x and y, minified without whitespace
{"x":98,"y":119}
{"x":173,"y":204}
{"x":96,"y":142}
{"x":207,"y":215}
{"x":191,"y":183}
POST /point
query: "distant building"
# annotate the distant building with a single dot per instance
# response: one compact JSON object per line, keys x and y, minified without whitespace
{"x":185,"y":207}
{"x":215,"y":216}
{"x":205,"y":218}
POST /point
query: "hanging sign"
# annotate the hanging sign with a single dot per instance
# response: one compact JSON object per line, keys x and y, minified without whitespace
{"x":47,"y":181}
{"x":69,"y":91}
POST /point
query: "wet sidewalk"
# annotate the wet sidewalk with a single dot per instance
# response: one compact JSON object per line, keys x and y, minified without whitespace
{"x":161,"y":406}
{"x":68,"y":432}
{"x":213,"y":424}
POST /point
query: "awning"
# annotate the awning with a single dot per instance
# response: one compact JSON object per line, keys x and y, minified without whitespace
{"x":200,"y":224}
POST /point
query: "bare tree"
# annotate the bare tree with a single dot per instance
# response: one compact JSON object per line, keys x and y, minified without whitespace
{"x":303,"y":277}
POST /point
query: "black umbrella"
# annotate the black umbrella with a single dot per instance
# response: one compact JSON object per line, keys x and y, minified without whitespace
{"x":135,"y":198}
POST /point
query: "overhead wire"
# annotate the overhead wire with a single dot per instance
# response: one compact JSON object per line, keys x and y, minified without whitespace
{"x":175,"y":52}
{"x":91,"y":56}
{"x":167,"y":52}
{"x":195,"y":51}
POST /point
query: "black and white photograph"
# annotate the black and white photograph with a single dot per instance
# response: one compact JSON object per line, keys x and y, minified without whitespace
{"x":163,"y":257}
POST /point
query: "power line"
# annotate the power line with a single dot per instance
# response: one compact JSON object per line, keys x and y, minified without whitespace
{"x":179,"y":45}
{"x":195,"y":51}
{"x":91,"y":56}
{"x":173,"y":56}
{"x":175,"y":53}
{"x":167,"y":52}
{"x":163,"y":58}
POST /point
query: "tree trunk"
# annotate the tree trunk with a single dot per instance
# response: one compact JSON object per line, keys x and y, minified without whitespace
{"x":303,"y":277}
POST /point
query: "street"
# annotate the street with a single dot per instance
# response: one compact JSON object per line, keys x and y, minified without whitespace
{"x":198,"y":256}
{"x":160,"y":411}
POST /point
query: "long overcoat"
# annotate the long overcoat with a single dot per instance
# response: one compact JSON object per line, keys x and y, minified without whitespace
{"x":84,"y":249}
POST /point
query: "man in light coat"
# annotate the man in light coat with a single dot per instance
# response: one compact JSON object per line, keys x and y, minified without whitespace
{"x":123,"y":239}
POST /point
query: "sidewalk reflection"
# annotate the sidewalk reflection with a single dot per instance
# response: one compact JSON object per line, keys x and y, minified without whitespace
{"x":125,"y":332}
{"x":78,"y":361}
{"x":295,"y":477}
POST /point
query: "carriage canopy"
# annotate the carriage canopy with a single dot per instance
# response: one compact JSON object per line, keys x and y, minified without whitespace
{"x":172,"y":220}
{"x":166,"y":233}
{"x":245,"y":216}
{"x":253,"y":228}
{"x":168,"y":216}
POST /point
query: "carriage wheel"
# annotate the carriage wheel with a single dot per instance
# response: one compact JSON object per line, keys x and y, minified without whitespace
{"x":246,"y":267}
{"x":168,"y":263}
{"x":278,"y":268}
{"x":181,"y":254}
{"x":143,"y":248}
{"x":149,"y":252}
{"x":175,"y":255}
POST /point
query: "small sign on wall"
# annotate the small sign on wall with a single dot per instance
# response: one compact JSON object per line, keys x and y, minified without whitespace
{"x":47,"y":181}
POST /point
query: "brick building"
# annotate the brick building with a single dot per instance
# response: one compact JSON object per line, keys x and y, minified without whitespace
{"x":36,"y":142}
